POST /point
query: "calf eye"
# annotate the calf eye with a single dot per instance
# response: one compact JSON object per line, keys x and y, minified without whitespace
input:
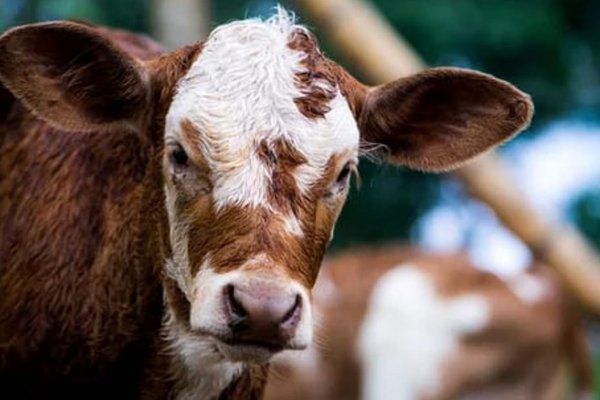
{"x":343,"y":175}
{"x":178,"y":156}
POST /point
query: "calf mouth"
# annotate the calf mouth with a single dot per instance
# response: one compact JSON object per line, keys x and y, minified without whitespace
{"x":267,"y":346}
{"x":247,"y":351}
{"x":252,"y":351}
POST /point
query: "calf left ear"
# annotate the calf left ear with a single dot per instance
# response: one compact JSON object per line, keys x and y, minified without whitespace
{"x":72,"y":76}
{"x":437,"y":119}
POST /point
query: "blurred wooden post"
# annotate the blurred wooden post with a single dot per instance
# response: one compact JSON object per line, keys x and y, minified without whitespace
{"x":382,"y":55}
{"x":180,"y":22}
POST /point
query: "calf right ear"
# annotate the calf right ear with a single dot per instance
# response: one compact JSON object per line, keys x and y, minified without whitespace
{"x":439,"y":118}
{"x":73,"y":77}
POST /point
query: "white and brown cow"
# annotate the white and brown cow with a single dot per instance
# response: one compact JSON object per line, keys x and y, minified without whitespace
{"x":394,"y":323}
{"x":211,"y":176}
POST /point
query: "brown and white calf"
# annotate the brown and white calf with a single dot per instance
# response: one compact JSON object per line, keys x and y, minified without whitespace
{"x":394,"y":323}
{"x":163,"y":217}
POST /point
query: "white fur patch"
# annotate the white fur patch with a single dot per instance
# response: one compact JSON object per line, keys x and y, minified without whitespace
{"x":239,"y":92}
{"x":292,"y":226}
{"x":529,"y":288}
{"x":207,"y":373}
{"x":408,"y":333}
{"x":207,"y":311}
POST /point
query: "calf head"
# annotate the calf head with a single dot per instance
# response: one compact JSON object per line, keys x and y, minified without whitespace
{"x":259,"y":134}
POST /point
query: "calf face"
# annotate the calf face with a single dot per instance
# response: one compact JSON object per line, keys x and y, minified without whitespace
{"x":259,"y":133}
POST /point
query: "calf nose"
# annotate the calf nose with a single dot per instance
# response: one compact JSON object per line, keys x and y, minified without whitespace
{"x":262,"y":313}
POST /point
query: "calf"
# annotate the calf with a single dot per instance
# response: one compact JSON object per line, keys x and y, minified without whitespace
{"x":163,"y":217}
{"x":397,"y":324}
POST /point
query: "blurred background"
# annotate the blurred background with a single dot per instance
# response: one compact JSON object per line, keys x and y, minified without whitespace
{"x":548,"y":48}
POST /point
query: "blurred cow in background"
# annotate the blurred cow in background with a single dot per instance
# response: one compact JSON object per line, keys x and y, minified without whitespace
{"x":394,"y":323}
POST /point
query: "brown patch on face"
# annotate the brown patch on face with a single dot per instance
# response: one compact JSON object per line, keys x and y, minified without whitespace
{"x":283,"y":160}
{"x":232,"y":236}
{"x":318,"y":82}
{"x":228,"y":238}
{"x":321,"y":70}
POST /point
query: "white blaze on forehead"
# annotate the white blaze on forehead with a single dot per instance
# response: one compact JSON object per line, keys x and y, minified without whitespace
{"x":409,"y":331}
{"x":240,"y":91}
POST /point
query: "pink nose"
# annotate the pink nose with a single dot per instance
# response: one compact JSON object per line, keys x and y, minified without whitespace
{"x":262,"y":314}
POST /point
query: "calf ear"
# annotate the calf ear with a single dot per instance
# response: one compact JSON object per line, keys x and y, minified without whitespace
{"x":437,"y":119}
{"x":71,"y":76}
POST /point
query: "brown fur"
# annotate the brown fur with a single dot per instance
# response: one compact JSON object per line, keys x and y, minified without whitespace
{"x":518,"y":355}
{"x":318,"y":71}
{"x":283,"y":160}
{"x":75,"y":314}
{"x":322,"y":78}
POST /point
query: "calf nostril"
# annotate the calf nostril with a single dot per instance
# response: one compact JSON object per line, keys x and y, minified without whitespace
{"x":238,"y":324}
{"x":235,"y":305}
{"x":238,"y":314}
{"x":294,"y":310}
